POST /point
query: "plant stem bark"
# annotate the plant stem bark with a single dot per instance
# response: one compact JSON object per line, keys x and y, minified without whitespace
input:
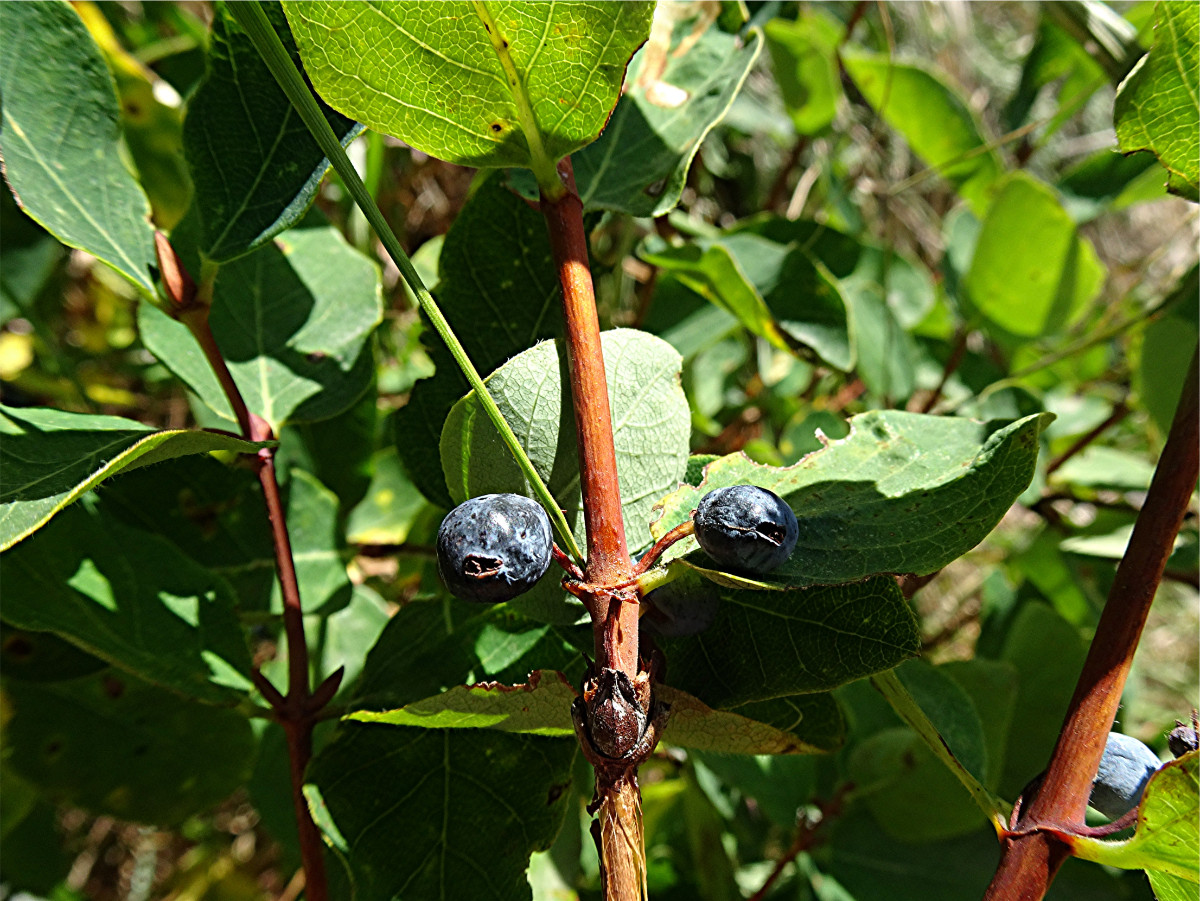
{"x":1033,"y":851}
{"x":618,"y":829}
{"x":608,"y":560}
{"x":297,"y":710}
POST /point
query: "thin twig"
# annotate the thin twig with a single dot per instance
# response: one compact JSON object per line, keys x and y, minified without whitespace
{"x":807,"y":834}
{"x":296,"y":710}
{"x":1120,"y":411}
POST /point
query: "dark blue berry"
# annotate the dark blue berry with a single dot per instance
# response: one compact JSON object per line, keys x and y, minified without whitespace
{"x":494,"y":547}
{"x":1125,"y":768}
{"x":746,"y":527}
{"x":681,"y":608}
{"x":1183,"y":738}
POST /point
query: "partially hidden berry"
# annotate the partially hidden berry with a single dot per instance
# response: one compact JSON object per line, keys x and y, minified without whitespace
{"x":681,"y":608}
{"x":1183,"y":738}
{"x":1125,"y":768}
{"x":493,"y":547}
{"x":746,"y":527}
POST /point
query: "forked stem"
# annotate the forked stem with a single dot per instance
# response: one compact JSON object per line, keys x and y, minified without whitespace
{"x":297,"y":710}
{"x":1032,"y":855}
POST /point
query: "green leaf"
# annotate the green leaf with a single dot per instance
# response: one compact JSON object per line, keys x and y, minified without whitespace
{"x":651,"y":428}
{"x":294,"y":322}
{"x":640,"y":162}
{"x":426,"y":813}
{"x":542,"y":706}
{"x":992,"y":687}
{"x":816,"y":718}
{"x":1048,"y":654}
{"x":43,"y":657}
{"x":1167,"y":347}
{"x":766,"y":644}
{"x":499,"y":84}
{"x":719,"y":276}
{"x":115,"y":745}
{"x":902,"y":493}
{"x":1099,"y":467}
{"x":1167,"y":838}
{"x":500,"y":293}
{"x":914,"y":778}
{"x":428,"y":647}
{"x":1157,"y":105}
{"x":73,"y":180}
{"x":776,"y":290}
{"x":933,"y":118}
{"x":216,"y":515}
{"x":240,"y":113}
{"x":133,"y":599}
{"x":804,"y":60}
{"x":1169,"y":887}
{"x":1032,"y":272}
{"x":50,"y":458}
{"x":29,"y":259}
{"x":695,"y":725}
{"x":1055,"y":57}
{"x":391,"y":506}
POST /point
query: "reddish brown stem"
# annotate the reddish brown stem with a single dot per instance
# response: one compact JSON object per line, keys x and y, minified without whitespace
{"x":681,"y":531}
{"x":297,"y":710}
{"x":611,"y":602}
{"x":807,"y":835}
{"x":1120,"y":411}
{"x":1030,"y":859}
{"x":952,"y":363}
{"x":608,"y":560}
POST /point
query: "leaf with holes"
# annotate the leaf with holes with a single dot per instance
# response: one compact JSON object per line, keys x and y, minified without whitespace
{"x":902,"y":493}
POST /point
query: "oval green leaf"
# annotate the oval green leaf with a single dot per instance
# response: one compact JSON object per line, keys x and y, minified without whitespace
{"x":293,"y":320}
{"x":651,"y":428}
{"x":902,"y":493}
{"x":475,"y":83}
{"x":50,"y":458}
{"x":61,"y":139}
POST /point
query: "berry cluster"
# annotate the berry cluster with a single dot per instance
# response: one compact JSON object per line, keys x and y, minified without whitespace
{"x":495,"y":547}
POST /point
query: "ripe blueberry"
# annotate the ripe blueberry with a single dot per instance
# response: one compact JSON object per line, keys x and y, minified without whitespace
{"x":746,"y":527}
{"x":493,"y":547}
{"x":1125,"y":768}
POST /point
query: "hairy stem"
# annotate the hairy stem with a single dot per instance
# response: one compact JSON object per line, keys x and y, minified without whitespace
{"x":1032,"y":853}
